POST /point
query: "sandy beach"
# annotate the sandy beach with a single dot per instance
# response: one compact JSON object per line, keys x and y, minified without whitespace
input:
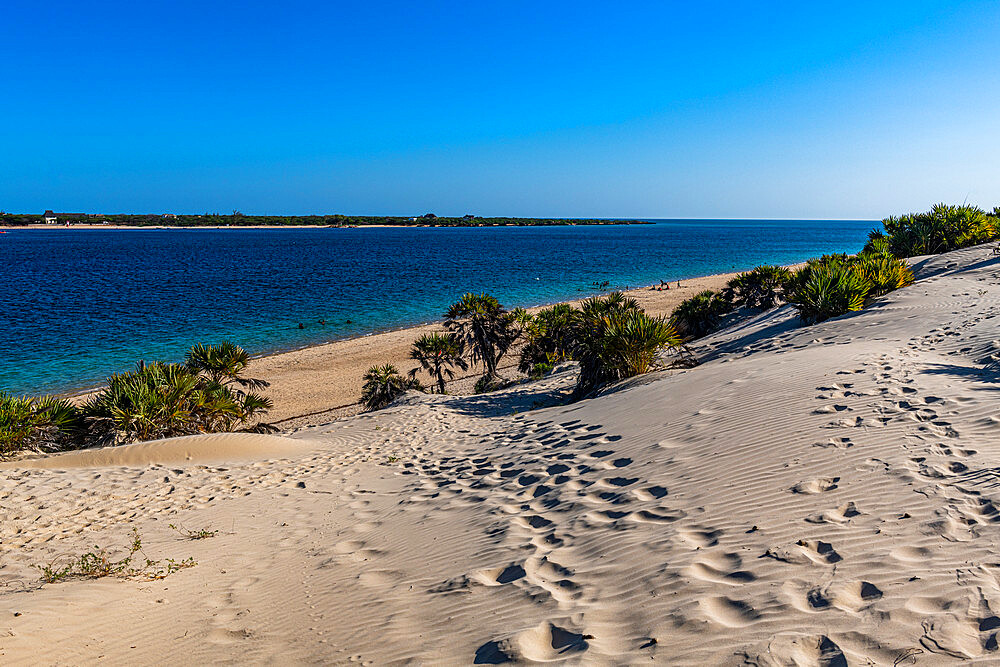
{"x":318,"y":383}
{"x":314,"y":384}
{"x":808,"y":495}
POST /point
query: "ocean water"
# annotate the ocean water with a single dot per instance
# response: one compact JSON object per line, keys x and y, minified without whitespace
{"x":77,"y":305}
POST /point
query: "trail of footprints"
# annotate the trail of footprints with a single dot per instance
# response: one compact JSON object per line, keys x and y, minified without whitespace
{"x":569,"y":482}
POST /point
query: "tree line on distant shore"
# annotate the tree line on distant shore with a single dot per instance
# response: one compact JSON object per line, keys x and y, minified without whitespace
{"x":237,"y":219}
{"x":609,"y":336}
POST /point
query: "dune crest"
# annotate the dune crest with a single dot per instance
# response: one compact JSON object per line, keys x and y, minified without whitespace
{"x":212,"y":448}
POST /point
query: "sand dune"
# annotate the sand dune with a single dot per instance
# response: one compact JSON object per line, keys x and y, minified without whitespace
{"x":815,"y":495}
{"x":188,"y":449}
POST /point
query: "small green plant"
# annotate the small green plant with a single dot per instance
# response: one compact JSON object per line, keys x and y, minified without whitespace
{"x":540,"y":370}
{"x":100,"y":563}
{"x":550,"y":338}
{"x":384,"y":384}
{"x":487,"y":384}
{"x":201,"y":534}
{"x":885,"y":273}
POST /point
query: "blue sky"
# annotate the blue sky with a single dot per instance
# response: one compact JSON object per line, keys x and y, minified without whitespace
{"x":658,"y":109}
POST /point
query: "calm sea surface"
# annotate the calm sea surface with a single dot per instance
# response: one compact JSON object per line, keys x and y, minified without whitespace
{"x":77,"y":305}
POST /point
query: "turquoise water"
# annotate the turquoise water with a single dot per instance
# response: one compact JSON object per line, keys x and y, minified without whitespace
{"x":77,"y":305}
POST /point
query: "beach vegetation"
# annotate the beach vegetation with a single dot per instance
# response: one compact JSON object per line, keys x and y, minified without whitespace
{"x":884,"y":272}
{"x":37,"y":423}
{"x":551,"y":338}
{"x":163,"y":400}
{"x":438,"y":355}
{"x":102,"y":563}
{"x":761,"y":288}
{"x":225,"y":363}
{"x":199,"y":534}
{"x":384,"y":384}
{"x":485,"y":329}
{"x":540,"y":370}
{"x":828,"y":291}
{"x":700,"y":314}
{"x":941,"y":229}
{"x":618,"y":340}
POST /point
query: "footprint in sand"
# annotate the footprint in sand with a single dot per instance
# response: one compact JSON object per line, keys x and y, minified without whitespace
{"x":837,"y":443}
{"x":720,"y":568}
{"x":911,"y":554}
{"x":658,"y":516}
{"x":842,"y":514}
{"x":380,"y":578}
{"x":700,"y":537}
{"x":805,"y":552}
{"x":650,"y":493}
{"x":828,"y":409}
{"x":728,"y":612}
{"x":816,"y":485}
{"x":802,"y":649}
{"x":498,"y":576}
{"x":348,"y":546}
{"x":852,"y":596}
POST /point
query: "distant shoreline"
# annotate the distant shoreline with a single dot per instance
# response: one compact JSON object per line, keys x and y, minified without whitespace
{"x":87,"y":221}
{"x":224,"y":227}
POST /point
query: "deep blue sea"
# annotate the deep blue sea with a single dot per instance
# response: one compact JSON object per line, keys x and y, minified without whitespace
{"x":77,"y":304}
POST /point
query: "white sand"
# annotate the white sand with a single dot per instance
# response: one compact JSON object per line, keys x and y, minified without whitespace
{"x":808,"y":495}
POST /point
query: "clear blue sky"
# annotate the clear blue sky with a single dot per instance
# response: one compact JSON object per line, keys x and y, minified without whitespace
{"x":658,"y":109}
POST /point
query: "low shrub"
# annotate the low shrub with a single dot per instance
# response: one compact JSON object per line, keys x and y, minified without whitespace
{"x":43,"y":424}
{"x":700,"y":314}
{"x":761,"y":288}
{"x":101,"y":563}
{"x":941,"y":229}
{"x":618,"y":340}
{"x":540,"y":370}
{"x":828,"y":291}
{"x":885,"y":273}
{"x":384,"y":384}
{"x":162,"y":400}
{"x":550,"y":338}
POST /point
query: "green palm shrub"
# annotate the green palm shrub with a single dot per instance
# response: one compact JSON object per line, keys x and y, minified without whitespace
{"x":884,"y":272}
{"x":161,"y":400}
{"x":209,"y":393}
{"x":608,"y":303}
{"x":223,"y":363}
{"x":700,"y":314}
{"x":550,"y":338}
{"x":44,"y":423}
{"x":437,"y":354}
{"x":618,"y":340}
{"x":941,"y":229}
{"x":384,"y":384}
{"x":762,"y":288}
{"x":485,"y":329}
{"x":828,"y":291}
{"x":878,"y":244}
